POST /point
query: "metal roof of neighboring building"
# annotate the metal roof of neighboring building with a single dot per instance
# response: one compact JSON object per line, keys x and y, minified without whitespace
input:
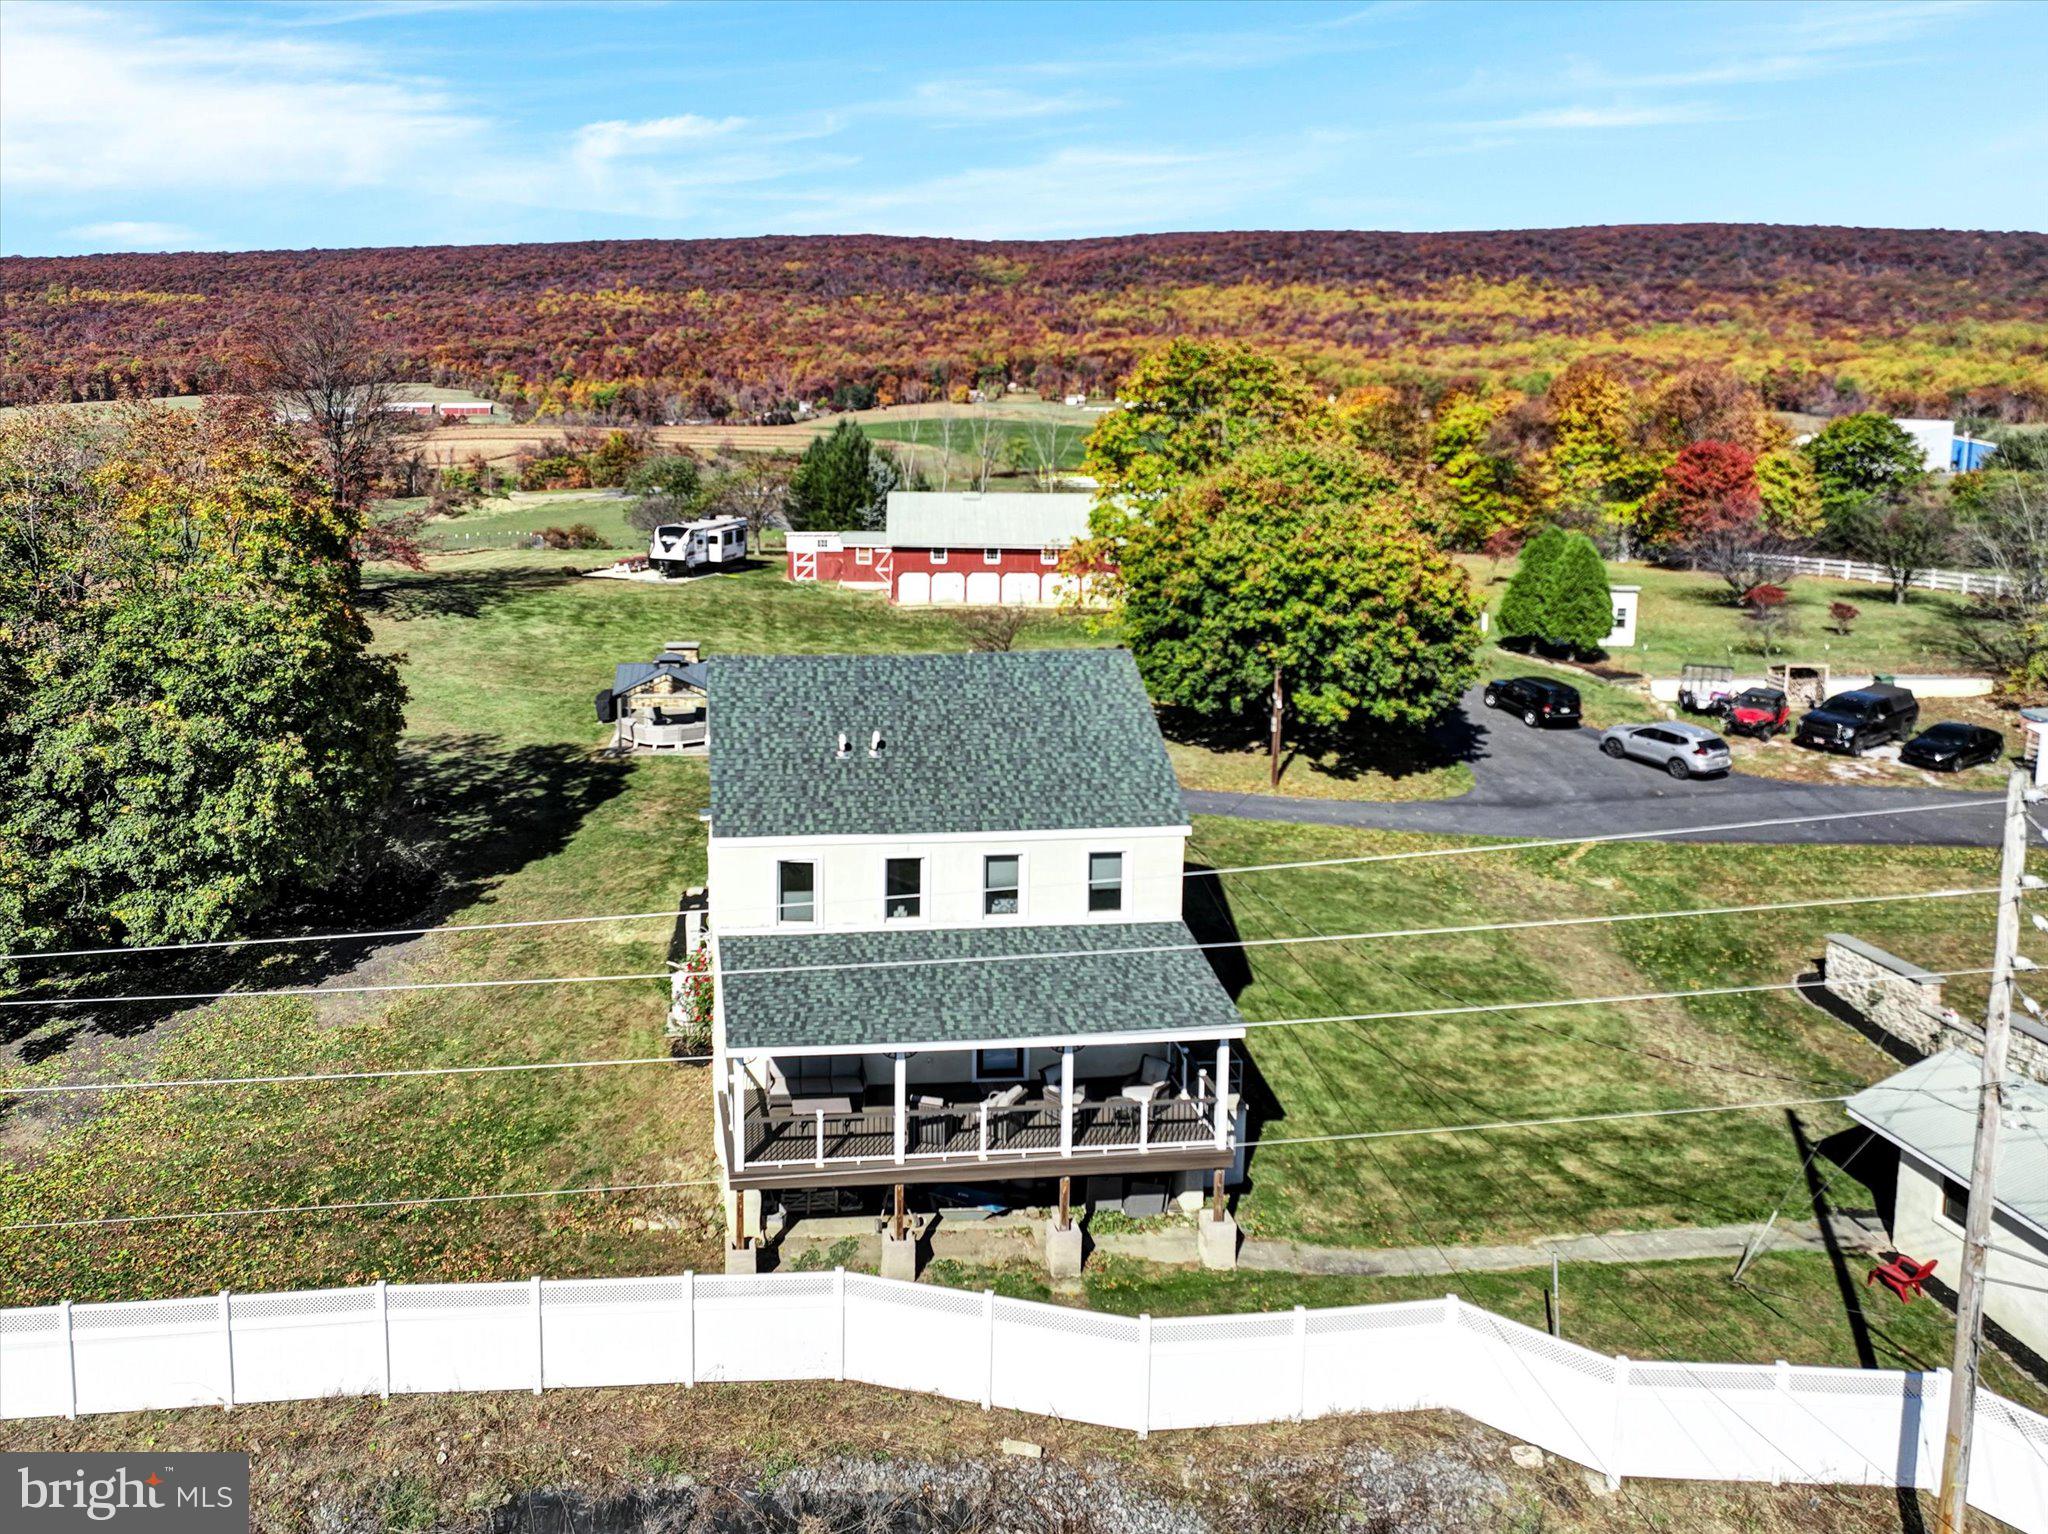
{"x":630,"y":674}
{"x":965,"y":519}
{"x":1031,"y":740}
{"x":1931,"y":1110}
{"x":1089,"y":985}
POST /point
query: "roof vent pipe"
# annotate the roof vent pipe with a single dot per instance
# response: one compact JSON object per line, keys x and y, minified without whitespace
{"x":875,"y":744}
{"x":845,"y":747}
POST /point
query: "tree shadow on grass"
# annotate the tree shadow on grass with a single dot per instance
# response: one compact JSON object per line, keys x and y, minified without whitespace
{"x":1346,"y":755}
{"x":460,"y":593}
{"x":466,"y":813}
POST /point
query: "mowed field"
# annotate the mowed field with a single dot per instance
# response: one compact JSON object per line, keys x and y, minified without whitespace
{"x":508,"y":811}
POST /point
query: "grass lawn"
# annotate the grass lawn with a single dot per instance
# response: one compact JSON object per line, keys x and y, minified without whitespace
{"x":504,"y":521}
{"x":1686,"y":617}
{"x":1341,"y":1078}
{"x":506,"y":800}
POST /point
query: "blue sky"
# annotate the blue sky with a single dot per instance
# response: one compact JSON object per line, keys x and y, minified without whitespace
{"x":235,"y":126}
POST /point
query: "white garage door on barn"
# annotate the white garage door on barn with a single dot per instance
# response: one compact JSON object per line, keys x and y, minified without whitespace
{"x":949,"y":586}
{"x":914,"y":589}
{"x":1020,"y":589}
{"x":984,"y":588}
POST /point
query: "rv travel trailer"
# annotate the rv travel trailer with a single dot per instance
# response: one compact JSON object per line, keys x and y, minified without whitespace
{"x":683,"y":548}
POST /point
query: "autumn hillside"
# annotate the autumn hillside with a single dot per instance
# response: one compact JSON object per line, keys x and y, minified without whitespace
{"x":1823,"y":318}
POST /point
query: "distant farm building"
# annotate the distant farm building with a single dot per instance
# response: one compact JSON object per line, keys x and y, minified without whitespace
{"x":1943,"y":449}
{"x":954,"y":548}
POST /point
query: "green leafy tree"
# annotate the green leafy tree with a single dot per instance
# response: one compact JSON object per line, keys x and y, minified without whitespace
{"x":1597,"y":469}
{"x":1579,"y":613}
{"x":668,"y":488}
{"x":1476,"y":484}
{"x":1526,"y":602}
{"x":1790,"y":492}
{"x":1293,"y":582}
{"x":195,"y":726}
{"x":1857,"y":457}
{"x":1189,"y":408}
{"x":841,"y":482}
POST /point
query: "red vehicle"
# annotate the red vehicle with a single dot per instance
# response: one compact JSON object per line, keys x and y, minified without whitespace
{"x":1758,"y":711}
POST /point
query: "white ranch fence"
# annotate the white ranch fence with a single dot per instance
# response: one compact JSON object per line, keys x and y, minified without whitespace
{"x":1724,"y":1422}
{"x":1969,"y":583}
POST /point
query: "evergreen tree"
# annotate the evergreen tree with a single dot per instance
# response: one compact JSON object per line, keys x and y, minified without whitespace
{"x":1522,"y":609}
{"x":1579,"y":612}
{"x":841,"y":483}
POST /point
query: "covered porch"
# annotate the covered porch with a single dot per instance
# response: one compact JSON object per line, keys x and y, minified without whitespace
{"x":932,"y":1114}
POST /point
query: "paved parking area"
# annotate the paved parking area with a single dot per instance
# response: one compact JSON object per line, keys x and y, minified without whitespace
{"x":1545,"y":783}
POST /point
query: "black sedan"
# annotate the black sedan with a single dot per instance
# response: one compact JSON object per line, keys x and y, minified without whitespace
{"x":1538,"y":699}
{"x":1953,"y":746}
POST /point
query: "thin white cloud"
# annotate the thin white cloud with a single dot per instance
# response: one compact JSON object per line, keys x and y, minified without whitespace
{"x":136,"y":234}
{"x":1597,"y":118}
{"x":94,"y":100}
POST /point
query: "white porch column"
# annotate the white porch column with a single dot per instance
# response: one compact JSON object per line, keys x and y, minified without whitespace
{"x":1067,"y":1100}
{"x":1222,"y":1093}
{"x":902,"y":1105}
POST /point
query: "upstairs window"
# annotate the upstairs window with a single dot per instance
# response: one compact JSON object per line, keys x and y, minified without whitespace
{"x":796,"y":892}
{"x":863,"y":555}
{"x":1955,"y":1202}
{"x":991,"y":556}
{"x":1000,"y":885}
{"x":903,"y":889}
{"x":938,"y":556}
{"x":1105,"y":881}
{"x":1048,"y":556}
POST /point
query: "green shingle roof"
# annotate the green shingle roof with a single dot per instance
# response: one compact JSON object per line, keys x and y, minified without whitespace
{"x":1038,"y":740}
{"x":1095,"y":986}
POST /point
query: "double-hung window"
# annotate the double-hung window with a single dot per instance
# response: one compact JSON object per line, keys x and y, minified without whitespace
{"x":1105,"y":881}
{"x":796,"y":892}
{"x":1048,"y":556}
{"x":939,"y":556}
{"x":863,"y":555}
{"x":991,"y":556}
{"x":1000,"y":885}
{"x":902,"y":889}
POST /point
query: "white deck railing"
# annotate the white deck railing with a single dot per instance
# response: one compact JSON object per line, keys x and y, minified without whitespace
{"x":1727,"y":1422}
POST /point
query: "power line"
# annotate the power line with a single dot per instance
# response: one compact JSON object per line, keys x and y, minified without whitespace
{"x":721,"y":973}
{"x":1272,"y":1022}
{"x":1193,"y":873}
{"x":471,"y":1198}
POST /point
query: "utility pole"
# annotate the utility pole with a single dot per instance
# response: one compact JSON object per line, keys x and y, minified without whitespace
{"x":1953,"y":1507}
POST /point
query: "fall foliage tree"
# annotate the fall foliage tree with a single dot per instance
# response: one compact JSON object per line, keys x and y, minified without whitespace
{"x":1191,"y":407}
{"x":1708,"y":485}
{"x":1292,"y":584}
{"x":1477,"y":483}
{"x":1596,"y":469}
{"x":194,"y":727}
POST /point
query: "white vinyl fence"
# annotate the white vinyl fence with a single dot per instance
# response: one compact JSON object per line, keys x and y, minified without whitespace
{"x":1728,"y":1422}
{"x":1964,"y":581}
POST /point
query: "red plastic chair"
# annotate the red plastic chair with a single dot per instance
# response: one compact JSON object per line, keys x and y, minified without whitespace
{"x":1902,"y":1275}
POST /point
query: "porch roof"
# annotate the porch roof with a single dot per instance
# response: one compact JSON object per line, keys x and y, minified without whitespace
{"x":924,"y":986}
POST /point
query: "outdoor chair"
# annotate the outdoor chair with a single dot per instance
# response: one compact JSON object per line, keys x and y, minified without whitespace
{"x":1902,"y":1275}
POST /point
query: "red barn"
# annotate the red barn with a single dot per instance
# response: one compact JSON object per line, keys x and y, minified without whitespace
{"x":954,"y":547}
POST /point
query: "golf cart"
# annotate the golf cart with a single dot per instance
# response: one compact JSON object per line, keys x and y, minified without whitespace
{"x":1760,"y":712}
{"x":1705,"y":688}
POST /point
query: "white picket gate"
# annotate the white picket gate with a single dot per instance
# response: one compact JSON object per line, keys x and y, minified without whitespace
{"x":1621,"y":1417}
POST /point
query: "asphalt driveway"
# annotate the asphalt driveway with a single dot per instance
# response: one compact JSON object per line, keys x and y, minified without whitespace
{"x":1557,"y":783}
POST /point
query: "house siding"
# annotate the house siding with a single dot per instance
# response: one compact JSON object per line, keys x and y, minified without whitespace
{"x":1054,"y":889}
{"x":2016,"y":1297}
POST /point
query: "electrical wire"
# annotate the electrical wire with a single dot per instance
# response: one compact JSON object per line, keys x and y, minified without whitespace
{"x":718,"y":972}
{"x":1193,"y":873}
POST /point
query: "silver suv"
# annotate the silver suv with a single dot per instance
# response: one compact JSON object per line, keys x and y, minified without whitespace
{"x":1683,"y":750}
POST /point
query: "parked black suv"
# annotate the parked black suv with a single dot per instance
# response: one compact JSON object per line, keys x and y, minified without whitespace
{"x":1952,"y":746}
{"x":1855,"y":722}
{"x":1537,"y":699}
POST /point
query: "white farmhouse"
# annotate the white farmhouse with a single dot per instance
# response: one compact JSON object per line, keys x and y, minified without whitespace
{"x":945,"y":914}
